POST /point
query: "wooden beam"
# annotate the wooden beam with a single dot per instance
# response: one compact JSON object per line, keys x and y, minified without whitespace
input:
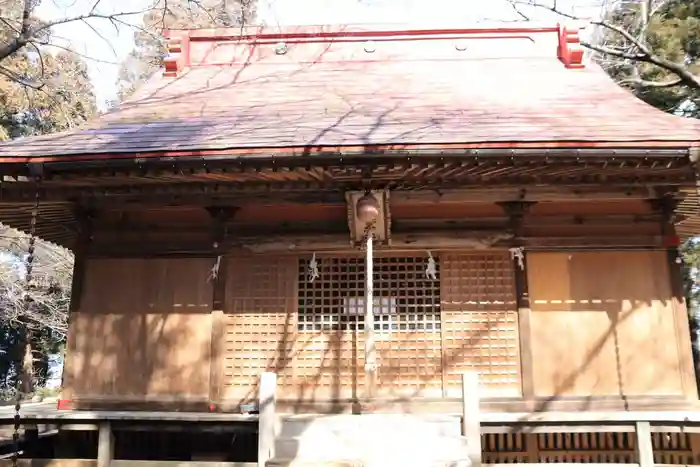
{"x":417,"y":240}
{"x":438,"y":241}
{"x":275,"y":227}
{"x":525,"y":194}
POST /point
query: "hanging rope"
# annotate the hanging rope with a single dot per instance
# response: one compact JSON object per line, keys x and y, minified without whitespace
{"x":368,"y":230}
{"x":24,"y":380}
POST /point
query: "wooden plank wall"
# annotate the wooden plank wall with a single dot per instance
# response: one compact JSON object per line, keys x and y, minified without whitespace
{"x":142,"y":328}
{"x":605,"y":324}
{"x":600,"y":323}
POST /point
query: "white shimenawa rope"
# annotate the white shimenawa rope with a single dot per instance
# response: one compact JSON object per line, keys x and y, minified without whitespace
{"x":431,"y":268}
{"x":313,"y":269}
{"x":519,"y":254}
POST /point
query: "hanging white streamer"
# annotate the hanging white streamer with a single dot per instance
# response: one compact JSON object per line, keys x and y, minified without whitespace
{"x":519,"y":254}
{"x":431,"y":268}
{"x":313,"y":269}
{"x":214,"y":271}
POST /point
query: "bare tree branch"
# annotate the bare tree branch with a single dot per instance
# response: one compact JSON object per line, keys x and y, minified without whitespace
{"x":652,"y":84}
{"x":644,"y":54}
{"x":638,"y":52}
{"x":28,"y":32}
{"x":51,"y":284}
{"x":536,"y":4}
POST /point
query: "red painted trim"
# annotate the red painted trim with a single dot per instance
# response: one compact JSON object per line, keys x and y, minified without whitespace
{"x":351,"y":40}
{"x":64,"y":404}
{"x":304,"y":150}
{"x":672,"y":241}
{"x":320,"y":33}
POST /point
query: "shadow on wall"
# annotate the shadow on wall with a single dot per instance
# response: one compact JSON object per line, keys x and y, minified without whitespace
{"x":602,"y":324}
{"x":142,"y":333}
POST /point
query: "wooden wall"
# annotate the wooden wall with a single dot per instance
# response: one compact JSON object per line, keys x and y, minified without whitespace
{"x":606,"y":324}
{"x":599,"y":324}
{"x":143,"y":327}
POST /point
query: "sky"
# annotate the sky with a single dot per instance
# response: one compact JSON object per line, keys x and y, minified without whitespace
{"x":105,"y":45}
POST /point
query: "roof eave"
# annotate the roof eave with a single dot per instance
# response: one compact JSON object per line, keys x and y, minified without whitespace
{"x":33,"y":166}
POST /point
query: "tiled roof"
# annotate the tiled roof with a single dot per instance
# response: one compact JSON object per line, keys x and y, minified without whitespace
{"x":348,"y":88}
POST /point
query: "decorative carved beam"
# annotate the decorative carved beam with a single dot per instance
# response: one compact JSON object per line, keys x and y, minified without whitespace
{"x":221,"y":216}
{"x":516,"y":211}
{"x":666,"y":206}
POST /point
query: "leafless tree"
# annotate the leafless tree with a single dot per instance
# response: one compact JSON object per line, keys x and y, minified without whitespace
{"x":627,"y":41}
{"x":52,"y":271}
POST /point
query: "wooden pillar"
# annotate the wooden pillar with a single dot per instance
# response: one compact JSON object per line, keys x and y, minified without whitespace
{"x":31,"y":441}
{"x":267,"y":419}
{"x":666,"y":206}
{"x":105,"y":445}
{"x":532,"y":449}
{"x":84,"y":218}
{"x":220,"y":216}
{"x":471,"y":416}
{"x":516,"y":210}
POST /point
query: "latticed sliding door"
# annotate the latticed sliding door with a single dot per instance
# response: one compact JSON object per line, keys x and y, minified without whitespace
{"x":407,"y":330}
{"x":330,"y":363}
{"x":479,"y":322}
{"x":260,"y":323}
{"x":330,"y":353}
{"x":307,"y":325}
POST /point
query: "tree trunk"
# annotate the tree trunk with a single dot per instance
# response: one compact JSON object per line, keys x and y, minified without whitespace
{"x":26,"y":376}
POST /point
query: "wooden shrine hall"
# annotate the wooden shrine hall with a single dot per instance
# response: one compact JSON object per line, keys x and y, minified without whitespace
{"x":489,"y":200}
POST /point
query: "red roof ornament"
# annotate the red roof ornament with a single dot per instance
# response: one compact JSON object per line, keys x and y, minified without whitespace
{"x":570,"y":50}
{"x":178,"y":56}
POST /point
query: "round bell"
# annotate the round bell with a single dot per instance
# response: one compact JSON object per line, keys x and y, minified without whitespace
{"x":367,"y":208}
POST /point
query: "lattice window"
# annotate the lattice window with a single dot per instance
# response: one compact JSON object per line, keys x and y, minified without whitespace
{"x":405,"y":299}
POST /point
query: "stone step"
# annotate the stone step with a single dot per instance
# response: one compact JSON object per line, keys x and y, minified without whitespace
{"x":279,"y":462}
{"x":368,"y":424}
{"x":331,"y":446}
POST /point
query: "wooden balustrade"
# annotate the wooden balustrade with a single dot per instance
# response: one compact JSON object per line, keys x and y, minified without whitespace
{"x":610,"y":439}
